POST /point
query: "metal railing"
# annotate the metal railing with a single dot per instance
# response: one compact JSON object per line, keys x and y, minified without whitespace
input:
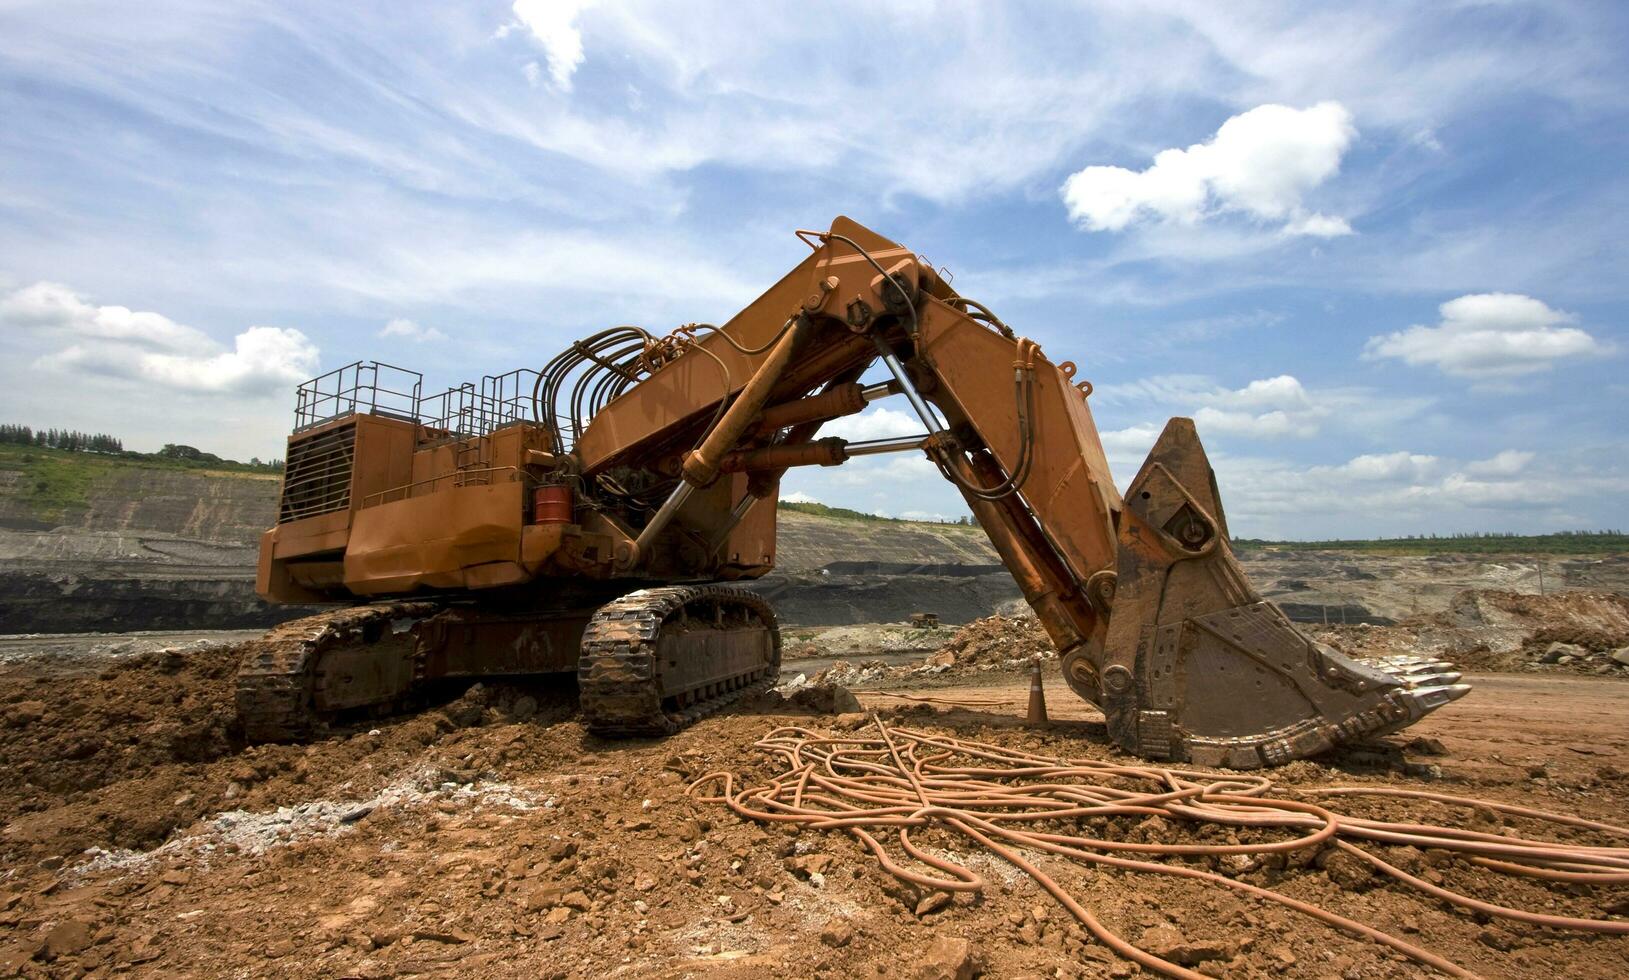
{"x":507,"y":398}
{"x":319,"y":468}
{"x":464,"y":411}
{"x":452,"y":414}
{"x":362,"y":388}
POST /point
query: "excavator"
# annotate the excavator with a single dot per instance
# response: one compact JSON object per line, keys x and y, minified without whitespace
{"x":597,"y":515}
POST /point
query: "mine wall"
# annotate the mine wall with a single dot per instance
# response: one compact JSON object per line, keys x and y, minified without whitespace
{"x":38,"y":601}
{"x":158,"y":549}
{"x":846,"y":599}
{"x":221,"y":508}
{"x":163,"y":549}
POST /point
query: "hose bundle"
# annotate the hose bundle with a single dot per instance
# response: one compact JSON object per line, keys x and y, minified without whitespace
{"x":581,"y":379}
{"x":1020,"y":806}
{"x":585,"y":377}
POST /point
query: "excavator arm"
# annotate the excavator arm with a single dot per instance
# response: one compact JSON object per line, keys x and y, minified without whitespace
{"x":1154,"y":618}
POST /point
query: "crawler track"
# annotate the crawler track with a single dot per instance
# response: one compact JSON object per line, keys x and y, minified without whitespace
{"x":279,"y":677}
{"x":621,"y":677}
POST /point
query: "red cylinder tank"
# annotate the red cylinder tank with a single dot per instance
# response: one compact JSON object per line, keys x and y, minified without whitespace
{"x":551,"y":505}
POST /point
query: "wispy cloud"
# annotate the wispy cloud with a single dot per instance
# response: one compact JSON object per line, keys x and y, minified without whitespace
{"x":514,"y":176}
{"x":411,"y":330}
{"x":1279,"y":407}
{"x":553,"y":25}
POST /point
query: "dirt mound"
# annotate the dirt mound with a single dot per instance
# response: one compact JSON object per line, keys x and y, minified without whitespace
{"x":872,"y":638}
{"x":126,"y":756}
{"x":997,"y":642}
{"x":61,"y":735}
{"x":1594,"y":620}
{"x":849,"y":674}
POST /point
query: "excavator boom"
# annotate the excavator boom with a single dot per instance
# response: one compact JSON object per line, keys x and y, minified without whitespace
{"x":650,"y":460}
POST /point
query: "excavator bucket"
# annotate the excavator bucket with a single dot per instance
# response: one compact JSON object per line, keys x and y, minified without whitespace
{"x":1200,"y":668}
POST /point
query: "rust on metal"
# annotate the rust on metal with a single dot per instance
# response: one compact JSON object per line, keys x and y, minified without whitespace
{"x":531,"y":515}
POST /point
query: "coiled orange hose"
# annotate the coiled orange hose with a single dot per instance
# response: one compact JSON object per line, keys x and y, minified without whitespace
{"x":902,"y":780}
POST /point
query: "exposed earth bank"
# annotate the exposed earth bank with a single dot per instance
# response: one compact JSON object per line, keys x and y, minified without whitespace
{"x":133,"y":547}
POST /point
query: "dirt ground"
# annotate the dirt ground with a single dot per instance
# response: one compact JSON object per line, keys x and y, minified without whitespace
{"x":493,"y":837}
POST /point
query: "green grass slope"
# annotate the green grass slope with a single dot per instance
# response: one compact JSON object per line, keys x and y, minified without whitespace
{"x":56,"y":485}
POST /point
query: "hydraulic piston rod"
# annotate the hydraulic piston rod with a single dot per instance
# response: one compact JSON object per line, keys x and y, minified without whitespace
{"x":926,"y":414}
{"x":701,"y":466}
{"x":830,"y":451}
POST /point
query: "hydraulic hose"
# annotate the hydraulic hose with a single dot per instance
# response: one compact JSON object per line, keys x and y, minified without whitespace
{"x":903,"y":783}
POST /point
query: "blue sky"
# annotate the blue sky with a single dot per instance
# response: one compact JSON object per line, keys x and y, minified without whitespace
{"x":1377,"y":252}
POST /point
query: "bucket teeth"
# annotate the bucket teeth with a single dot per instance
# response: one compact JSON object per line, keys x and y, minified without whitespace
{"x":1197,"y":667}
{"x":1420,"y":673}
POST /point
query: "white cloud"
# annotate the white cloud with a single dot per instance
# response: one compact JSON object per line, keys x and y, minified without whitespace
{"x":1270,"y":408}
{"x":553,"y":24}
{"x":262,"y":359}
{"x":54,"y":307}
{"x":1260,"y":163}
{"x":1489,"y":336}
{"x":117,"y":342}
{"x":924,"y":515}
{"x":410,"y":330}
{"x":1265,"y":425}
{"x":798,"y":497}
{"x":898,"y":485}
{"x":467,"y":265}
{"x":1267,"y":409}
{"x":1389,"y":466}
{"x":1318,"y":226}
{"x":876,"y":422}
{"x":1283,"y":391}
{"x":1506,"y":463}
{"x":1137,"y":439}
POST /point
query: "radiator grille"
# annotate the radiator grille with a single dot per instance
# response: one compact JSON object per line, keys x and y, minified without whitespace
{"x":318,"y":475}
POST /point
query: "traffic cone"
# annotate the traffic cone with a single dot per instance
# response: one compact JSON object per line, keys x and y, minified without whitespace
{"x":1037,"y":698}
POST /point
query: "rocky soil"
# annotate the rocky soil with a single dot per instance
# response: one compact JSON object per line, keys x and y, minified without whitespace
{"x":1009,"y":644}
{"x":492,"y":836}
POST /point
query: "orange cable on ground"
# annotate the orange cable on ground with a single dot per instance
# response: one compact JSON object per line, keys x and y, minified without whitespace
{"x":958,"y":703}
{"x":1009,"y":802}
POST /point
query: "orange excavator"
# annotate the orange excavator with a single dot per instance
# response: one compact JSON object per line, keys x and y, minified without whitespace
{"x":590,"y":517}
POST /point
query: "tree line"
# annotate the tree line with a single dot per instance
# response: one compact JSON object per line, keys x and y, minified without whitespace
{"x":69,"y":439}
{"x":100,"y":442}
{"x":1578,"y":542}
{"x":192,"y":454}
